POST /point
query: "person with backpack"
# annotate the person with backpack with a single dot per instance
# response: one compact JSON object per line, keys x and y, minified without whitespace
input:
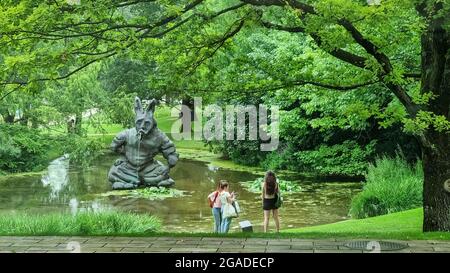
{"x":271,"y":199}
{"x":216,"y":205}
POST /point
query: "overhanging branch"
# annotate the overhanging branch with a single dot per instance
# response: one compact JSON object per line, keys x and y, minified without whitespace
{"x":339,"y":53}
{"x":10,"y":92}
{"x":217,"y":44}
{"x":360,"y":39}
{"x":65,"y":76}
{"x":290,"y":84}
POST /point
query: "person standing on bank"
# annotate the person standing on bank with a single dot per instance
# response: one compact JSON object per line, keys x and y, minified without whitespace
{"x":225,"y":197}
{"x":270,"y":190}
{"x":216,"y":205}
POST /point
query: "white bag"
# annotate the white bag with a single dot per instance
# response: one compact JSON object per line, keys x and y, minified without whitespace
{"x":228,"y":211}
{"x":237,"y":207}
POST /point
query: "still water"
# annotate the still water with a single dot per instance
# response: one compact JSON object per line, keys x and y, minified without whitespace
{"x":63,"y":189}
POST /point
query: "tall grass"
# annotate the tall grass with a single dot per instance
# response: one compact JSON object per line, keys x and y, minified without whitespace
{"x":85,"y":223}
{"x":392,"y":185}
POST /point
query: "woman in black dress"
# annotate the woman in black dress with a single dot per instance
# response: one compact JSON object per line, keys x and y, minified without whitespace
{"x":270,"y":190}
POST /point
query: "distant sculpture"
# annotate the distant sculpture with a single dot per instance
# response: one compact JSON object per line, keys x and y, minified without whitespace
{"x":138,"y":147}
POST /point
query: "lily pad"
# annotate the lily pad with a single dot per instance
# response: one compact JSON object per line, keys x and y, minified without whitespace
{"x":286,"y":187}
{"x":152,"y":193}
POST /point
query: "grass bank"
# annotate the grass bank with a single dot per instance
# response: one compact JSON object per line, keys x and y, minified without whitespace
{"x":406,"y":225}
{"x":85,"y":223}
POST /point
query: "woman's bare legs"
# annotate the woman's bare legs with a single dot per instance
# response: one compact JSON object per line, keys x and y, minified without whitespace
{"x":266,"y":219}
{"x":277,"y":219}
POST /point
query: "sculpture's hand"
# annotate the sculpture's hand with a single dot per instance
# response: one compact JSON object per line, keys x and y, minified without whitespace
{"x":172,"y":160}
{"x":120,"y":150}
{"x":118,"y":142}
{"x":118,"y":162}
{"x":165,"y":172}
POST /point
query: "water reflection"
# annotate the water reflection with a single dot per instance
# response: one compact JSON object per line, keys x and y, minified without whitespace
{"x":72,"y":191}
{"x":56,"y":176}
{"x":73,"y":204}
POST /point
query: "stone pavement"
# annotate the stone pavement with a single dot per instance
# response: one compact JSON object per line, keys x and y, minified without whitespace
{"x":52,"y":244}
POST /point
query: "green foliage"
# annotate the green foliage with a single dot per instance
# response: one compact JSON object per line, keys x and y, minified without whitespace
{"x":23,"y":149}
{"x":154,"y":193}
{"x":82,"y":151}
{"x":126,"y":75}
{"x":186,"y":53}
{"x":242,"y":152}
{"x":282,"y":159}
{"x":286,"y":187}
{"x":84,"y":223}
{"x":26,"y":149}
{"x":120,"y":109}
{"x":424,"y":120}
{"x":391,"y":186}
{"x":344,"y":159}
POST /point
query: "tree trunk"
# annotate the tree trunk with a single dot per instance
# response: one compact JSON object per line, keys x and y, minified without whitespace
{"x":189,"y":102}
{"x":24,"y":121}
{"x":8,"y":118}
{"x":78,"y":121}
{"x":436,"y":200}
{"x":436,"y":145}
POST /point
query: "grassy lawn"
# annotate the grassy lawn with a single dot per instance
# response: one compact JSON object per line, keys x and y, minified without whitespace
{"x":402,"y":225}
{"x":405,"y":225}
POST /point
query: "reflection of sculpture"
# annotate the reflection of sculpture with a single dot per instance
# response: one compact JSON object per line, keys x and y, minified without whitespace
{"x":138,"y":146}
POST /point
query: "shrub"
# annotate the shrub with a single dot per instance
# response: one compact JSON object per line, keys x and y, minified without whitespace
{"x":282,"y":159}
{"x":391,"y":186}
{"x":346,"y":159}
{"x":246,"y":152}
{"x":83,"y":151}
{"x":23,"y":149}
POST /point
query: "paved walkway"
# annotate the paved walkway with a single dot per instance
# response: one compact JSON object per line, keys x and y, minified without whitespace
{"x":197,"y":244}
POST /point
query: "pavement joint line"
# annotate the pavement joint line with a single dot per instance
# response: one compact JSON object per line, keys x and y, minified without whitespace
{"x":204,"y":244}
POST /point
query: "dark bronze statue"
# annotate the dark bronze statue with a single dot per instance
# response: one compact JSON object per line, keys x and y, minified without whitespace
{"x":138,"y":147}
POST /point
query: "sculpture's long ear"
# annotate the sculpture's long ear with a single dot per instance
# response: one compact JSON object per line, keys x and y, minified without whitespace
{"x":137,"y":105}
{"x":151,"y":106}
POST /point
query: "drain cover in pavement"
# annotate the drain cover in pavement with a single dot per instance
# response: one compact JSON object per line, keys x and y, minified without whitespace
{"x":375,"y":245}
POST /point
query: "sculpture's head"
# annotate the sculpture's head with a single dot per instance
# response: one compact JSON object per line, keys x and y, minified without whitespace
{"x":145,"y":121}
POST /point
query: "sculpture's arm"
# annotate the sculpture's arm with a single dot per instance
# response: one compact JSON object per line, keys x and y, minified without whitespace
{"x":118,"y":142}
{"x":168,"y":150}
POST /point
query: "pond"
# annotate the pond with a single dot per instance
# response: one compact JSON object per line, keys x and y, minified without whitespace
{"x":63,"y":189}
